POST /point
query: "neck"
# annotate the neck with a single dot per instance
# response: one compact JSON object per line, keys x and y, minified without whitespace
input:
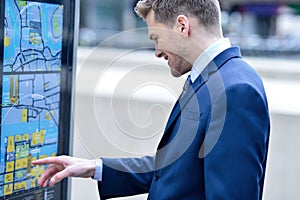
{"x":201,"y":40}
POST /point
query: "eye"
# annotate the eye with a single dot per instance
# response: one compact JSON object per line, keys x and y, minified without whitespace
{"x":153,"y":37}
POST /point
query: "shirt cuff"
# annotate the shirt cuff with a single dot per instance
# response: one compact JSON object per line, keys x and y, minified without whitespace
{"x":98,"y":171}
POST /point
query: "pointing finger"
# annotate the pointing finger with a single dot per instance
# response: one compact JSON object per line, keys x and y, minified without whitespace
{"x":50,"y":160}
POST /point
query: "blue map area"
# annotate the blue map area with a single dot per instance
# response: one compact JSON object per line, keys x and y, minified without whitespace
{"x":33,"y":36}
{"x":31,"y":86}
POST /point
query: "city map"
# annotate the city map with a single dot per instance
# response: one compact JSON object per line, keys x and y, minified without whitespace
{"x":33,"y":36}
{"x":31,"y":85}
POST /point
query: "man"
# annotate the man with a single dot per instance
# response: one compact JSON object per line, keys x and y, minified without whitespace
{"x":216,"y":140}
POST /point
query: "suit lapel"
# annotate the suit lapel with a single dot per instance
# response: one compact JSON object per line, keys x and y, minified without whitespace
{"x":180,"y":104}
{"x":211,"y":68}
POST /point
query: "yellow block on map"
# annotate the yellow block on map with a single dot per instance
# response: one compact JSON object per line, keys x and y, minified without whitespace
{"x":14,"y":88}
{"x":34,"y":38}
{"x":24,"y":115}
{"x":48,"y":117}
{"x":34,"y":172}
{"x":23,"y":184}
{"x":53,"y":154}
{"x":8,"y":189}
{"x":25,"y":162}
{"x":41,"y":170}
{"x":19,"y":138}
{"x":43,"y":156}
{"x":17,"y":186}
{"x":6,"y":41}
{"x":42,"y":137}
{"x":8,"y":178}
{"x":29,"y":164}
{"x":33,"y":183}
{"x":33,"y":159}
{"x":38,"y":138}
{"x":11,"y":144}
{"x":21,"y":163}
{"x":34,"y":140}
{"x":10,"y":166}
{"x":26,"y":137}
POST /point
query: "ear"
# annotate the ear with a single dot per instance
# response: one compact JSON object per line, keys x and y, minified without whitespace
{"x":183,"y":25}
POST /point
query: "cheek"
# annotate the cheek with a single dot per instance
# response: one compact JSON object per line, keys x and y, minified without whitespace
{"x":177,"y":60}
{"x":169,"y":45}
{"x":163,"y":45}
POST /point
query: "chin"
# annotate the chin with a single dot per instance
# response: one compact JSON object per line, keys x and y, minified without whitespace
{"x":178,"y":68}
{"x":175,"y":73}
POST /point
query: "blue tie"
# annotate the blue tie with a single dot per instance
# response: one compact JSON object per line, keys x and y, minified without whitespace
{"x":186,"y":86}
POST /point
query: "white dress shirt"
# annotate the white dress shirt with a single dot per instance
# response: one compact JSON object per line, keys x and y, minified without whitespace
{"x":207,"y":56}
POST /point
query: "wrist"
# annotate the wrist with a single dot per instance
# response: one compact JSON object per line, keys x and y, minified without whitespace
{"x":98,"y":170}
{"x":92,"y":168}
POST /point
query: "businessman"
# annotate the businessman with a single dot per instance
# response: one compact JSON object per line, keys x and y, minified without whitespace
{"x":215,"y":142}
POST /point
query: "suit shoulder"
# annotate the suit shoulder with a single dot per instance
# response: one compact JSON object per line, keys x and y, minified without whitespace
{"x":236,"y":71}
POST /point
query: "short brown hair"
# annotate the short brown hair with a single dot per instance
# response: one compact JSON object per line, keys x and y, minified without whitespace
{"x":166,"y":11}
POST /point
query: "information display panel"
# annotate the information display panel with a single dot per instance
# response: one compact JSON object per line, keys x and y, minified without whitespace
{"x":36,"y":85}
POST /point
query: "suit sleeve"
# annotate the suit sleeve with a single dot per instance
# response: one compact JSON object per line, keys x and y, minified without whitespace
{"x":126,"y":177}
{"x":234,"y":167}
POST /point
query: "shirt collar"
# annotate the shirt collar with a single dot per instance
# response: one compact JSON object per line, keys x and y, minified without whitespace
{"x":207,"y":56}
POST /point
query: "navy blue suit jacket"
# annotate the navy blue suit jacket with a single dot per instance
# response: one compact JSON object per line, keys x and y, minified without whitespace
{"x":214,"y":146}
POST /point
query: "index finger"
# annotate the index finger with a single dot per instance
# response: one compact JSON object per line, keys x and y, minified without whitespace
{"x":46,"y":161}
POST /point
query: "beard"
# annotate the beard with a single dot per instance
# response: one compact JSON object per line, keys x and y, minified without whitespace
{"x":179,"y":66}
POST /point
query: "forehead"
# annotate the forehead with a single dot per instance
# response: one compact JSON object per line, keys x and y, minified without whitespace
{"x":150,"y":19}
{"x":154,"y":28}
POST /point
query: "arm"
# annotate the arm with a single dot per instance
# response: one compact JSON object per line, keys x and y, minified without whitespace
{"x":235,"y":167}
{"x":125,"y":177}
{"x":120,"y":177}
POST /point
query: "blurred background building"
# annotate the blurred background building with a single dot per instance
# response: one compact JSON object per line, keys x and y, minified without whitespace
{"x":260,"y":27}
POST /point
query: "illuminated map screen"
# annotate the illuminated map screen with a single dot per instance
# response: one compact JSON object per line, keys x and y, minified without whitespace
{"x":31,"y":89}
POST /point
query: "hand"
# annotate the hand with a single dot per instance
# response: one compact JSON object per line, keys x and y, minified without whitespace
{"x":64,"y":166}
